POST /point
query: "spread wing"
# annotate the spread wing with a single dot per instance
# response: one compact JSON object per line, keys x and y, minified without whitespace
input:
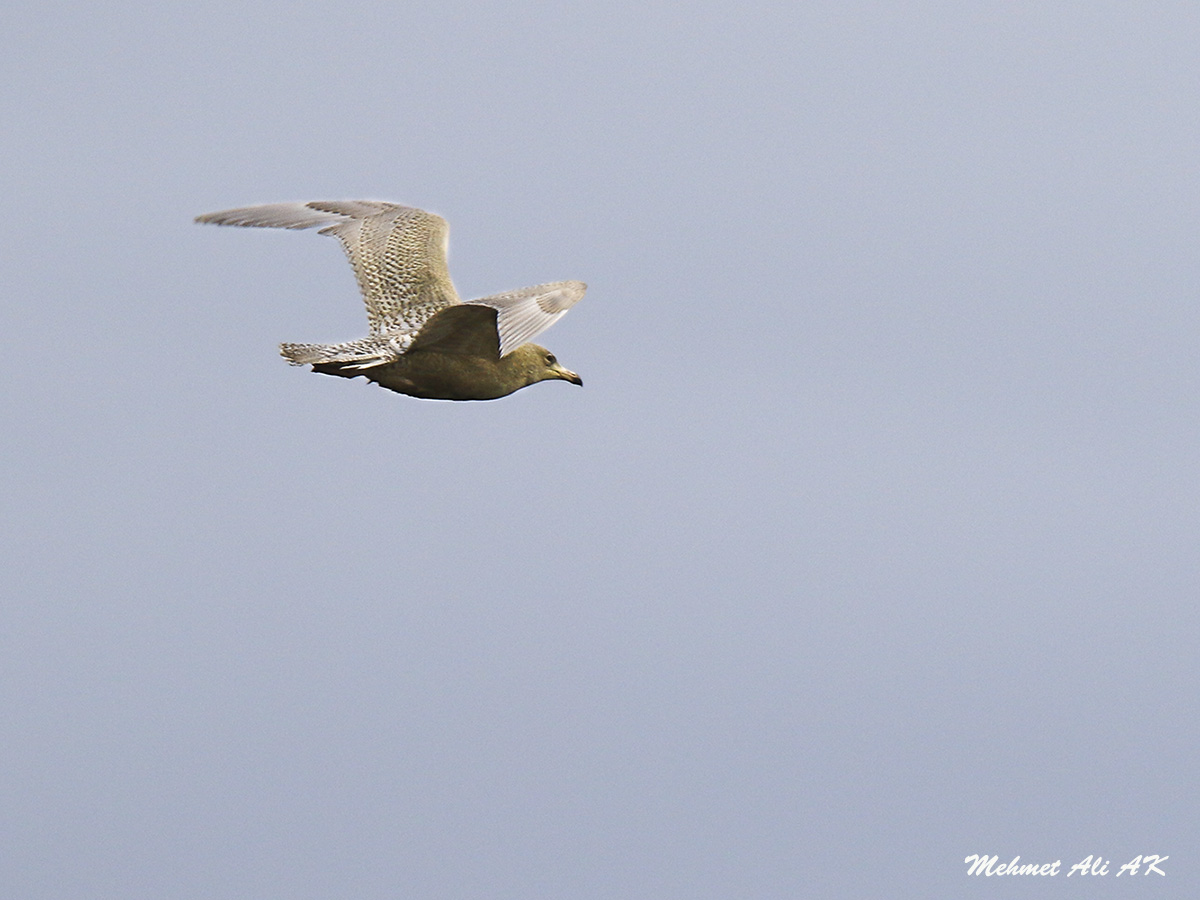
{"x":398,"y":253}
{"x":523,"y":315}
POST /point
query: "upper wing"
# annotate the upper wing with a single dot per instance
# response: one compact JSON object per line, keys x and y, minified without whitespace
{"x":523,"y":315}
{"x":398,"y":252}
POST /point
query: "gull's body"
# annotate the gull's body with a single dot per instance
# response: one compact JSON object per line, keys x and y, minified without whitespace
{"x":423,"y":340}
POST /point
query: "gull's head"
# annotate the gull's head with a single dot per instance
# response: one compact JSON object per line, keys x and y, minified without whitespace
{"x":539,"y":364}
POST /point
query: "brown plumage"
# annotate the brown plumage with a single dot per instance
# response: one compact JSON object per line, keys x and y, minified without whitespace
{"x":456,"y":356}
{"x":423,"y":340}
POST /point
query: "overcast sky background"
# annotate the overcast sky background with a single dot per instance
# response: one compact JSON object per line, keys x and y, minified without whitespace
{"x":871,"y":541}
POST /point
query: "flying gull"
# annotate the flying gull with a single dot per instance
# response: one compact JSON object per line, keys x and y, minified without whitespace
{"x":423,"y":340}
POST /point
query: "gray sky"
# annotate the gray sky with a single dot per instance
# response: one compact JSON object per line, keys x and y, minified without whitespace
{"x":870,"y":543}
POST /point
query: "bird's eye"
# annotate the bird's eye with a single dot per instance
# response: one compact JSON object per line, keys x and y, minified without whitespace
{"x":550,"y":360}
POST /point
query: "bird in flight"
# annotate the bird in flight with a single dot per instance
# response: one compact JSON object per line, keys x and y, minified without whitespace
{"x":423,"y":340}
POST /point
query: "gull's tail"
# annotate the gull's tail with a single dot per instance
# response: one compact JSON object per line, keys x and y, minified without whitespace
{"x":354,"y":356}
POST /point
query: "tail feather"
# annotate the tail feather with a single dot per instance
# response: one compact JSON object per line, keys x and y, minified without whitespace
{"x":303,"y":354}
{"x":355,"y":355}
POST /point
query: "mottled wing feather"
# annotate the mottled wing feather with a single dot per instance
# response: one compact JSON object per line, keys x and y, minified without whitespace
{"x":398,"y":253}
{"x":523,"y":315}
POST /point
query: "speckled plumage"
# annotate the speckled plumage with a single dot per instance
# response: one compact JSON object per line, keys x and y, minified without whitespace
{"x":398,"y":254}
